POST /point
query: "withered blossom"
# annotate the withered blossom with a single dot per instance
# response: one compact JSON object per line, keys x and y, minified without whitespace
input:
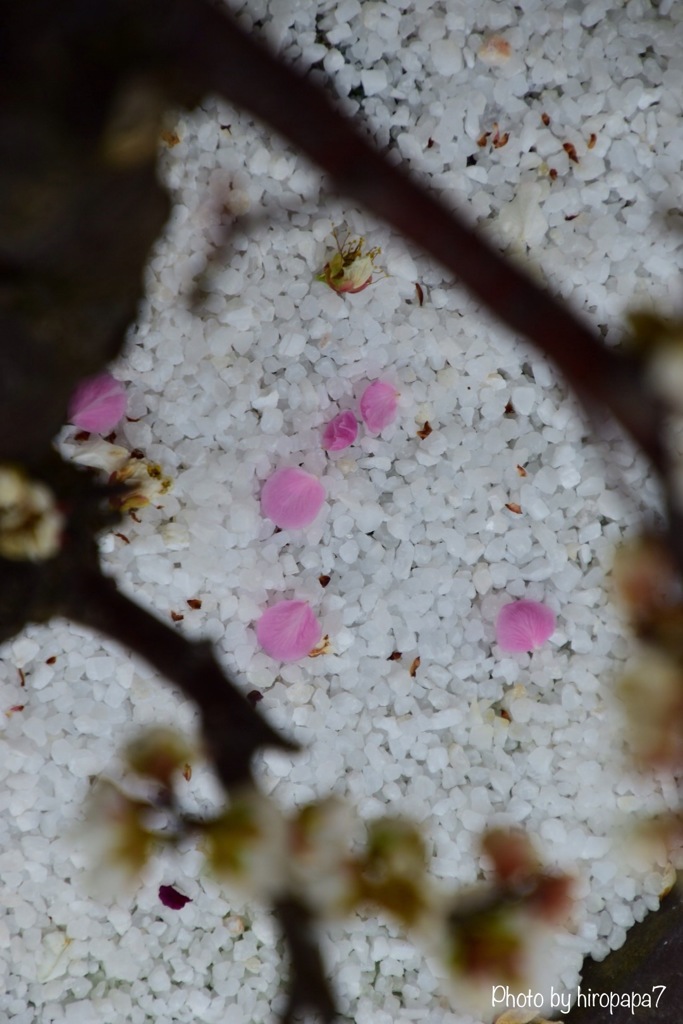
{"x":352,"y":267}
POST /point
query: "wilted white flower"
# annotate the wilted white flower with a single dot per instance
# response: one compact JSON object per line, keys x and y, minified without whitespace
{"x":146,"y":480}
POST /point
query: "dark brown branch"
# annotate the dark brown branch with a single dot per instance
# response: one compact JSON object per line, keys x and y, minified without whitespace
{"x":231,"y":729}
{"x":217,"y":56}
{"x":308,"y":988}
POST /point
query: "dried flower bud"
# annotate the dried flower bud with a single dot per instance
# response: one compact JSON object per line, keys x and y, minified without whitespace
{"x":30,"y":522}
{"x":351,"y":268}
{"x":146,"y":482}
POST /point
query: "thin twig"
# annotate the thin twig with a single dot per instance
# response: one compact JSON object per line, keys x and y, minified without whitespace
{"x":232,"y":730}
{"x":218,"y":56}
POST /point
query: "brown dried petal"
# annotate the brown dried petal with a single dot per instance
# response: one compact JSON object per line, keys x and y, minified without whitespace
{"x":170,"y":138}
{"x":322,"y":647}
{"x":570,"y":150}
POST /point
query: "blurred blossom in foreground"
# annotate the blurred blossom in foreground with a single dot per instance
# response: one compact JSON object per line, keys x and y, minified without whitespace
{"x":325,"y":857}
{"x":30,"y":521}
{"x":115,"y":839}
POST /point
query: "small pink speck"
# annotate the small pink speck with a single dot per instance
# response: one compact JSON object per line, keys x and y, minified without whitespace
{"x":288,"y":631}
{"x":97,"y":403}
{"x":378,"y":405}
{"x":340,"y":432}
{"x":524,"y":625}
{"x":292,"y":498}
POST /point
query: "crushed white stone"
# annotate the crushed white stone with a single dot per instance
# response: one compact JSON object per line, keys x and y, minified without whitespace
{"x":419,"y":545}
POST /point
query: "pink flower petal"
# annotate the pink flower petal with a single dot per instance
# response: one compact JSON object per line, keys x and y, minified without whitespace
{"x":378,"y":405}
{"x":288,"y":631}
{"x":292,"y":498}
{"x":170,"y":897}
{"x":524,"y":625}
{"x":97,"y":403}
{"x":340,"y":432}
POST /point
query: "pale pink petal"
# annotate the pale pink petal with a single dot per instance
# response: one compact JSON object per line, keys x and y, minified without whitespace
{"x":292,"y":498}
{"x":340,"y":432}
{"x":378,"y":405}
{"x":288,"y":631}
{"x":524,"y":625}
{"x":97,"y":404}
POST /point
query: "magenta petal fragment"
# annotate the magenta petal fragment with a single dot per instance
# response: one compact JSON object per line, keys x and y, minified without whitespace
{"x":524,"y":625}
{"x":340,"y":432}
{"x":97,"y":403}
{"x":288,"y":631}
{"x":292,"y":498}
{"x":378,"y":405}
{"x":170,"y":897}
